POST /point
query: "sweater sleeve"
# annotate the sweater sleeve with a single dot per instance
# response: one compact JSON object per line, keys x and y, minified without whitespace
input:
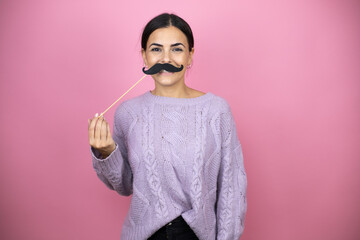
{"x":231,"y":202}
{"x":115,"y":170}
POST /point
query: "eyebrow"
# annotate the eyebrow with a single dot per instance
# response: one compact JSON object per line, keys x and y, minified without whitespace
{"x":172,"y":45}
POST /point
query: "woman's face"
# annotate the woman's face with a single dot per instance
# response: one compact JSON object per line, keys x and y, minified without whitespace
{"x":168,"y":45}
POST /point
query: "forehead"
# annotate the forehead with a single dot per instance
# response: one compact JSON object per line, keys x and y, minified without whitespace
{"x":167,"y":36}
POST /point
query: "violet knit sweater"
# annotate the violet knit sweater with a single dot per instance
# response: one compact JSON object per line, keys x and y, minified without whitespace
{"x":177,"y":156}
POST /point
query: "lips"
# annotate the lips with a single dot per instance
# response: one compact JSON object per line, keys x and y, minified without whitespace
{"x":164,"y":72}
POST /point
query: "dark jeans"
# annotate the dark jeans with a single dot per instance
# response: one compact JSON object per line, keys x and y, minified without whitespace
{"x":176,"y":229}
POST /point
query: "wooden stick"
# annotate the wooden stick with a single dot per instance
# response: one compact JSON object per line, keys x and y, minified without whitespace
{"x":121,"y":96}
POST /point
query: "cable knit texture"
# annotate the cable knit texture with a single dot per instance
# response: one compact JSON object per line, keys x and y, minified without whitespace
{"x":177,"y":156}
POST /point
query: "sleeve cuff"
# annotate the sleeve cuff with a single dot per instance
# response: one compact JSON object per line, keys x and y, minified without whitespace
{"x":97,"y":155}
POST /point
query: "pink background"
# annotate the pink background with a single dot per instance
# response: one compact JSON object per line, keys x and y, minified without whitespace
{"x":289,"y":69}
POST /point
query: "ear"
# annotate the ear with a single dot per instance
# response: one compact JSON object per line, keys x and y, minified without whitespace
{"x":143,"y":53}
{"x":191,"y":56}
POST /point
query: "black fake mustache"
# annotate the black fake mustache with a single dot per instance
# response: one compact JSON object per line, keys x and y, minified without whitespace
{"x":158,"y":67}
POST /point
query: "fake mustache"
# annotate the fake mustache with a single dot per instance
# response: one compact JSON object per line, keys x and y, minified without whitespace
{"x":158,"y":67}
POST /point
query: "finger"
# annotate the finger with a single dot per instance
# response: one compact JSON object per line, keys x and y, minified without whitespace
{"x":97,"y":136}
{"x":103,"y":130}
{"x":106,"y":124}
{"x":89,"y":122}
{"x":108,"y":135}
{"x":92,"y":128}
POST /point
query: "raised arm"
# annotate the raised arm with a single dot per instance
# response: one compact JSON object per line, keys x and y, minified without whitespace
{"x":109,"y":153}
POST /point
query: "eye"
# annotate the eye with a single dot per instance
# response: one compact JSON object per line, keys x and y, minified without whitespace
{"x":177,"y":50}
{"x":156,"y":49}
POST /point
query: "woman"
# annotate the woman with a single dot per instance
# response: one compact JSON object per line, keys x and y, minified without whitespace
{"x":175,"y":149}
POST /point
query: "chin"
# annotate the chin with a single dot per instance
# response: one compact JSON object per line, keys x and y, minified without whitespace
{"x":166,"y":82}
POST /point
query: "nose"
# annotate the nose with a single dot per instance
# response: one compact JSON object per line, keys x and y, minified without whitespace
{"x":166,"y":56}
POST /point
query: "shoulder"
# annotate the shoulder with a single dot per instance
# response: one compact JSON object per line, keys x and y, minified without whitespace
{"x":221,"y":114}
{"x":219,"y":104}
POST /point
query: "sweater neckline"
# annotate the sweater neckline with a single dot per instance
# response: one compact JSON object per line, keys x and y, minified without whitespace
{"x":174,"y":100}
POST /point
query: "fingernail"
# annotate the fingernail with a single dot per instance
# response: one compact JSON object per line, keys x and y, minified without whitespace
{"x":96,"y":115}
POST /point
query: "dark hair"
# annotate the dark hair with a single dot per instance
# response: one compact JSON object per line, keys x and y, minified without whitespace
{"x":166,"y":20}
